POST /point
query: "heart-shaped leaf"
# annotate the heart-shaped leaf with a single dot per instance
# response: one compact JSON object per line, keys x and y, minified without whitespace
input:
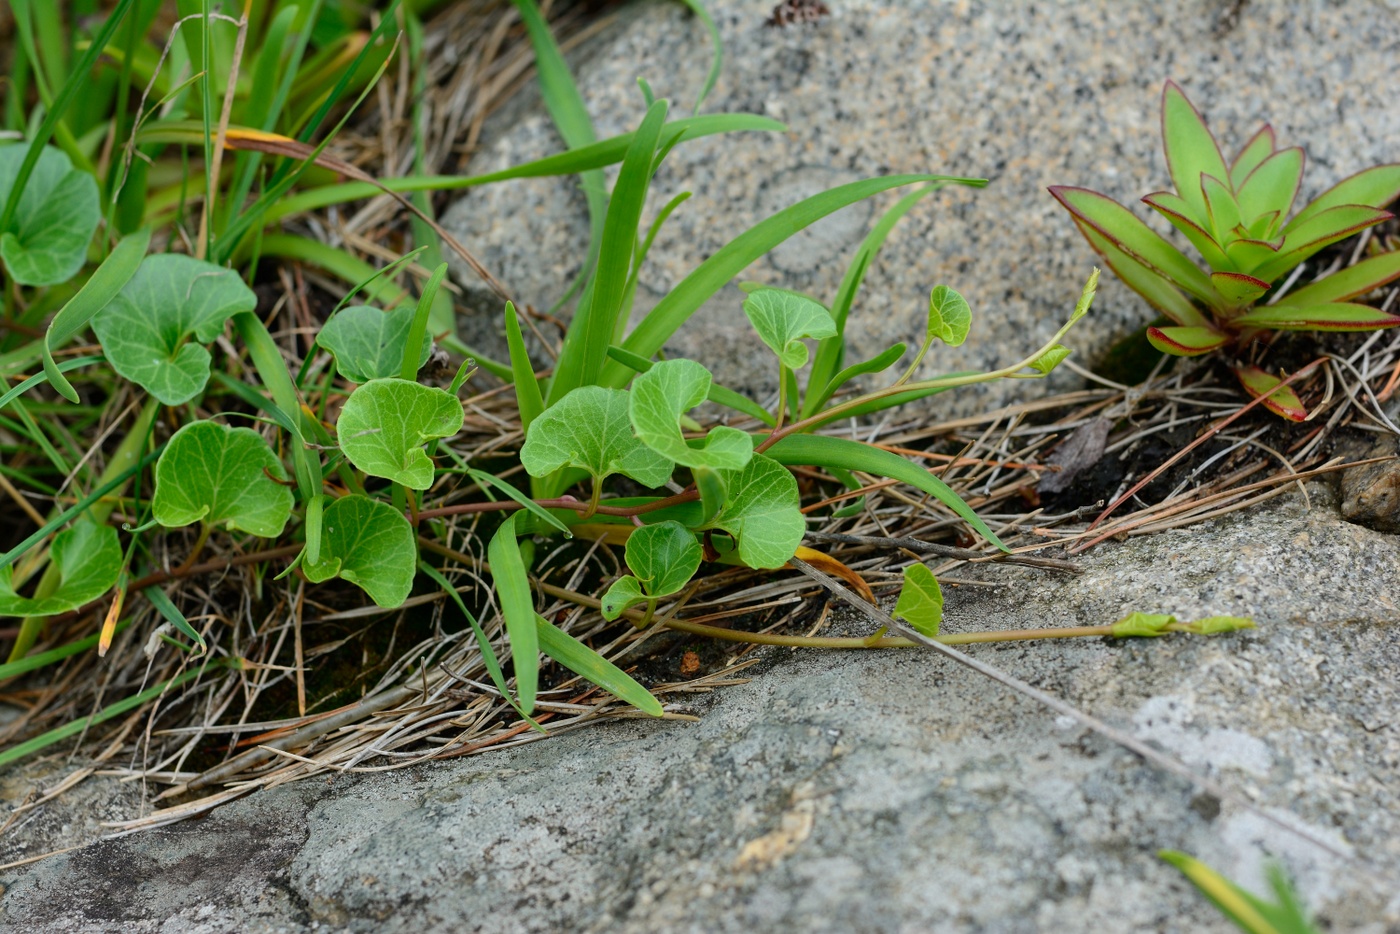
{"x":89,"y":559}
{"x":782,"y":319}
{"x":659,"y":398}
{"x":47,"y":239}
{"x":949,"y":316}
{"x":663,"y":557}
{"x":368,"y":343}
{"x":221,"y":476}
{"x":590,"y":429}
{"x":762,"y":513}
{"x":920,"y":600}
{"x":385,"y":424}
{"x":155,"y":330}
{"x":369,"y":544}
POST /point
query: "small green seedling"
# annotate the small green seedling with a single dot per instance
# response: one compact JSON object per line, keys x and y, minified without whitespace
{"x":1236,"y":215}
{"x":661,"y":396}
{"x":1249,"y":912}
{"x":663,"y":557}
{"x":920,"y":601}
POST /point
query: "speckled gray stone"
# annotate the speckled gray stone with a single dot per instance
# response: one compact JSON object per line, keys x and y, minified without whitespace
{"x":881,"y":792}
{"x":1026,"y":94}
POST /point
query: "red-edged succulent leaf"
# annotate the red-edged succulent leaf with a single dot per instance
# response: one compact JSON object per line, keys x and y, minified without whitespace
{"x":1317,"y":232}
{"x":1375,"y":188}
{"x":1157,"y":289}
{"x":1175,"y":209}
{"x":1281,"y":400}
{"x":1260,"y":146}
{"x":1248,"y":255}
{"x":1366,"y":276}
{"x":1189,"y":146}
{"x":1332,"y":316}
{"x":1133,"y":237}
{"x":1272,"y":186}
{"x":1224,"y":209}
{"x":1186,"y":342}
{"x":1238,"y":289}
{"x":1263,"y":228}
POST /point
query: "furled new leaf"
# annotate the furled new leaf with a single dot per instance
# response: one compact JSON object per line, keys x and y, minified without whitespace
{"x":949,"y":317}
{"x":763,"y":513}
{"x":590,"y":429}
{"x":920,"y":600}
{"x":219,"y":475}
{"x":1051,"y":358}
{"x":783,"y":319}
{"x":369,"y":544}
{"x":1141,"y":625}
{"x":46,"y":241}
{"x":368,"y":343}
{"x":88,"y":558}
{"x":659,"y":398}
{"x":155,"y":331}
{"x":385,"y":424}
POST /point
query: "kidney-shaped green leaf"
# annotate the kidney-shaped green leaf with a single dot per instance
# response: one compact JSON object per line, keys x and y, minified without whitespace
{"x":47,"y":239}
{"x":949,"y":317}
{"x":920,"y":600}
{"x":88,"y":557}
{"x":155,"y":330}
{"x":625,"y":593}
{"x":370,"y":544}
{"x":659,"y":398}
{"x":222,"y":476}
{"x":590,"y":429}
{"x":385,"y":424}
{"x":762,"y":513}
{"x":368,"y":343}
{"x":664,"y":556}
{"x":782,"y":319}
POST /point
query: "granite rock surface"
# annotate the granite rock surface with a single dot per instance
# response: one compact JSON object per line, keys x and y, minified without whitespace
{"x":885,"y":791}
{"x":1024,"y":94}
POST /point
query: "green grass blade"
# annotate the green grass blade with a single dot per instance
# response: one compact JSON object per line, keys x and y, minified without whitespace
{"x":371,"y":281}
{"x":106,"y":281}
{"x":592,"y":667}
{"x":419,"y":328}
{"x":518,"y":610}
{"x":731,"y":259}
{"x":39,"y":378}
{"x":575,"y":161}
{"x":527,"y":388}
{"x":716,"y":51}
{"x":488,"y":654}
{"x":585,"y":348}
{"x":846,"y":454}
{"x":172,"y":614}
{"x":272,"y":370}
{"x":43,"y":659}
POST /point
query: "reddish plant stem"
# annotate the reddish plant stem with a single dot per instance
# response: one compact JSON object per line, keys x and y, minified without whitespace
{"x":689,"y":496}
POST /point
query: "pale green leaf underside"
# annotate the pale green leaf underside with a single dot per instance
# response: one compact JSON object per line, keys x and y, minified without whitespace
{"x":47,"y":239}
{"x":88,"y":557}
{"x":949,"y":317}
{"x":590,"y":429}
{"x":664,"y":556}
{"x":385,"y":424}
{"x":920,"y":600}
{"x":155,"y":330}
{"x":782,"y":319}
{"x":1050,"y":359}
{"x":659,"y":398}
{"x":762,"y":513}
{"x":368,"y":343}
{"x":625,"y":593}
{"x":369,"y":544}
{"x":220,"y":475}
